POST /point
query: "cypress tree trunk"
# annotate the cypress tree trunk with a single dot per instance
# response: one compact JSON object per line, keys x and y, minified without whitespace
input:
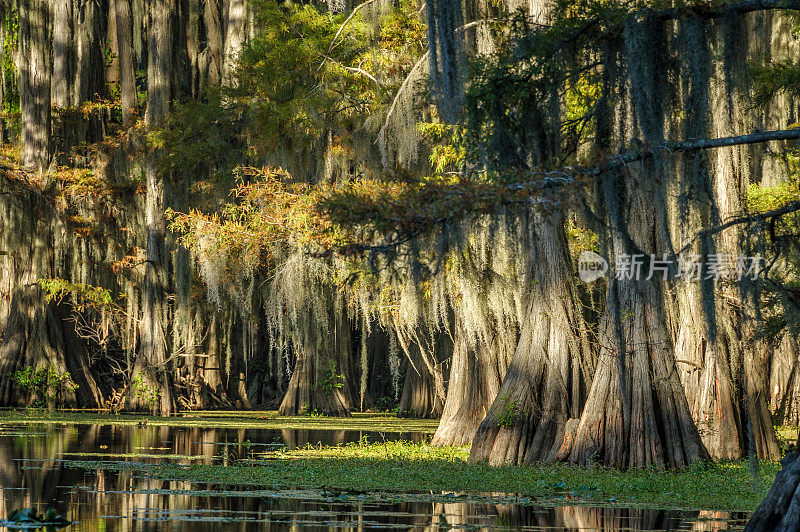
{"x":34,"y":82}
{"x":419,"y":398}
{"x":549,"y":375}
{"x":235,"y":33}
{"x":323,"y":374}
{"x":780,"y":509}
{"x":637,"y":414}
{"x":62,"y":44}
{"x":2,"y":75}
{"x":36,"y":335}
{"x":424,"y":389}
{"x":90,"y":36}
{"x":784,"y":381}
{"x":476,"y":372}
{"x":715,"y":337}
{"x":214,"y":47}
{"x":127,"y":77}
{"x":151,"y":362}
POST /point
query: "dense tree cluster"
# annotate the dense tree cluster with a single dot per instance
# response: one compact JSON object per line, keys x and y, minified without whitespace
{"x":334,"y":207}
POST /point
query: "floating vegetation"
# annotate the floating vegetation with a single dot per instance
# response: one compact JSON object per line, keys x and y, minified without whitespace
{"x":223,"y":477}
{"x":397,"y":470}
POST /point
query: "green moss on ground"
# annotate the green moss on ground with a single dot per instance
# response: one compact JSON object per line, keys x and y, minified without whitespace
{"x":395,"y":467}
{"x":227,"y":420}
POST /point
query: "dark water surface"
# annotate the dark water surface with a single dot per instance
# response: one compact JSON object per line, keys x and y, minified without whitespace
{"x":33,"y":474}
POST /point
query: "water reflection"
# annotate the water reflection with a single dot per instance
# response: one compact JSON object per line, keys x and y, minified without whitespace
{"x":33,"y":474}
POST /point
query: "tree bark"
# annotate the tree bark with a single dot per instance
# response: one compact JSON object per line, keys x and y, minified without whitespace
{"x":151,"y":362}
{"x":424,"y":392}
{"x":476,"y":372}
{"x":323,"y":374}
{"x":90,"y":34}
{"x":214,"y":47}
{"x":548,"y":378}
{"x":34,"y":82}
{"x":62,"y":50}
{"x":780,"y":509}
{"x":36,"y":335}
{"x":127,"y":75}
{"x":235,"y":33}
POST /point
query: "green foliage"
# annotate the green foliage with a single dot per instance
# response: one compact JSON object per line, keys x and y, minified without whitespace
{"x":448,"y":152}
{"x":402,"y":466}
{"x":311,"y":412}
{"x":144,"y":392}
{"x":581,"y":239}
{"x":509,"y":414}
{"x":201,"y":139}
{"x":84,"y":296}
{"x":763,"y":199}
{"x":779,"y":239}
{"x":46,"y":385}
{"x":294,"y":82}
{"x":10,"y":103}
{"x":773,"y":78}
{"x":330,"y":381}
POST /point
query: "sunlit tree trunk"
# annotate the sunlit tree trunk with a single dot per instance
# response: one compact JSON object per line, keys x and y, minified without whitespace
{"x":476,"y":372}
{"x":33,"y":67}
{"x":715,"y":336}
{"x":151,"y":363}
{"x":214,"y":47}
{"x":548,"y":378}
{"x":62,"y":44}
{"x":235,"y":33}
{"x":127,"y":77}
{"x":636,"y":414}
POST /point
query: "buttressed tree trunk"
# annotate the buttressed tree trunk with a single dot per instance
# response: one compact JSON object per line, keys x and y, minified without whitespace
{"x":36,"y":336}
{"x":548,"y":378}
{"x":424,"y":389}
{"x":34,"y":82}
{"x":151,"y":362}
{"x":322,"y":378}
{"x":714,"y":340}
{"x":780,"y":509}
{"x":476,"y":372}
{"x":637,"y":414}
{"x":419,"y":398}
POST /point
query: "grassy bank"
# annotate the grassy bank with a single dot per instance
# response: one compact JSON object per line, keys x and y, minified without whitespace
{"x":227,"y":420}
{"x":394,"y":467}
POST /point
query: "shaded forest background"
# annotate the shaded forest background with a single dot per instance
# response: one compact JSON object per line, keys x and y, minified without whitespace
{"x":327,"y":208}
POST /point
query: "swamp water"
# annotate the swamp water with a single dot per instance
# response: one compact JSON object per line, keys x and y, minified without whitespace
{"x":35,"y":472}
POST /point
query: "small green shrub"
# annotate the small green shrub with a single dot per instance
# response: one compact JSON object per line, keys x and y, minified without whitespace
{"x":46,"y":385}
{"x":509,"y":413}
{"x":144,"y":392}
{"x":331,"y":381}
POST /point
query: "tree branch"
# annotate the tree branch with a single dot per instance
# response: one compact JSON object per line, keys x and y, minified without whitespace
{"x":540,"y":181}
{"x":696,"y":145}
{"x":734,"y":8}
{"x":346,"y":21}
